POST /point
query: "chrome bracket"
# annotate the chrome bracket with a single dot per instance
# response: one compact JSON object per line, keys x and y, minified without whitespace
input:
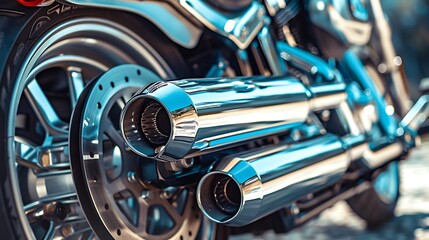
{"x":240,"y":29}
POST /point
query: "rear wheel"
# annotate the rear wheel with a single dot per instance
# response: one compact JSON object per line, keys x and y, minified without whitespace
{"x":44,"y":76}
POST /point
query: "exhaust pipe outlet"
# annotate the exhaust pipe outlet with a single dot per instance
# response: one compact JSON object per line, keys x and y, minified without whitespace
{"x":185,"y":118}
{"x":243,"y":188}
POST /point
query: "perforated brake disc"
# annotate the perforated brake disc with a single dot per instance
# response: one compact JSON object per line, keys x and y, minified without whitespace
{"x":116,"y":202}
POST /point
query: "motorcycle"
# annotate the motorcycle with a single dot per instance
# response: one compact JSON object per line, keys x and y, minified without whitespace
{"x":190,"y":119}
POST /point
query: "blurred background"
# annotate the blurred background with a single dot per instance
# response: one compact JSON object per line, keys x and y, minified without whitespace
{"x":410,"y":29}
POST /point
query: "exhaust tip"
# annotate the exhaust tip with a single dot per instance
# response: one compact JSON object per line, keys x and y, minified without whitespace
{"x":146,"y":125}
{"x":160,"y":122}
{"x":219,"y":197}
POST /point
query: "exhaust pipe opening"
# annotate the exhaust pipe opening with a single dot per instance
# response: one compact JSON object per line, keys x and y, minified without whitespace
{"x":160,"y":122}
{"x":147,"y":126}
{"x":220,"y":196}
{"x":155,"y":123}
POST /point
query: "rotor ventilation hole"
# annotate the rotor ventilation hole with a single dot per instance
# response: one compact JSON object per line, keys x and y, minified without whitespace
{"x":155,"y":124}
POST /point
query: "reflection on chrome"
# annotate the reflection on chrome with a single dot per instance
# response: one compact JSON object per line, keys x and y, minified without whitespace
{"x":180,"y":119}
{"x":243,"y":188}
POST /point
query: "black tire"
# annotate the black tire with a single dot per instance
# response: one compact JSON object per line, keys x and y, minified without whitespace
{"x":20,"y":29}
{"x":371,"y":207}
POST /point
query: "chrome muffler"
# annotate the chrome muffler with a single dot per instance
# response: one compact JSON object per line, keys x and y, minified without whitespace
{"x":243,"y":188}
{"x":185,"y":118}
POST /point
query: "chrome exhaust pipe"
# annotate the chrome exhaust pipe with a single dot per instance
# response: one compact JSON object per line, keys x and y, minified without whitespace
{"x":243,"y":188}
{"x":186,"y":118}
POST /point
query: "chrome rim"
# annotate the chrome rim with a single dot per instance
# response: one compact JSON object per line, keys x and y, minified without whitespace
{"x":53,"y":76}
{"x":387,"y":183}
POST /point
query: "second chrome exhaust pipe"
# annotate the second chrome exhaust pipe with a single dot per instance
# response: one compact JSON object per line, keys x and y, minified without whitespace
{"x":243,"y":188}
{"x":181,"y":119}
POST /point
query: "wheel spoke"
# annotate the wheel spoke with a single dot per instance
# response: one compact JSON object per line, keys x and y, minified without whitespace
{"x":29,"y":164}
{"x":143,"y":211}
{"x":54,"y":155}
{"x":172,"y":212}
{"x":76,"y":83}
{"x":52,"y":186}
{"x":26,"y":155}
{"x":115,"y":136}
{"x":50,"y":156}
{"x":44,"y":110}
{"x":116,"y":185}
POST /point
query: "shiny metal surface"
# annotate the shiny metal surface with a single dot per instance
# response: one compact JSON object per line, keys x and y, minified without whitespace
{"x":417,"y":115}
{"x":307,"y":62}
{"x":240,"y":28}
{"x":379,"y":157}
{"x":264,"y":180}
{"x":182,"y":32}
{"x":207,"y":114}
{"x":336,"y":18}
{"x":269,"y":49}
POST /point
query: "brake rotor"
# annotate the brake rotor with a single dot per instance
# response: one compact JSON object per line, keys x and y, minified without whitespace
{"x":116,"y":202}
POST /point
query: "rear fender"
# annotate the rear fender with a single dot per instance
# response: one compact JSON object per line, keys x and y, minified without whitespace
{"x":163,"y":15}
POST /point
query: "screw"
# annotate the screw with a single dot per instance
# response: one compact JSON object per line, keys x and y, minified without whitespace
{"x":187,"y":163}
{"x":145,"y":194}
{"x":244,"y":32}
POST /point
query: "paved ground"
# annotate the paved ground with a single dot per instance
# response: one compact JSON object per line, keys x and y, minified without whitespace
{"x":412,"y":213}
